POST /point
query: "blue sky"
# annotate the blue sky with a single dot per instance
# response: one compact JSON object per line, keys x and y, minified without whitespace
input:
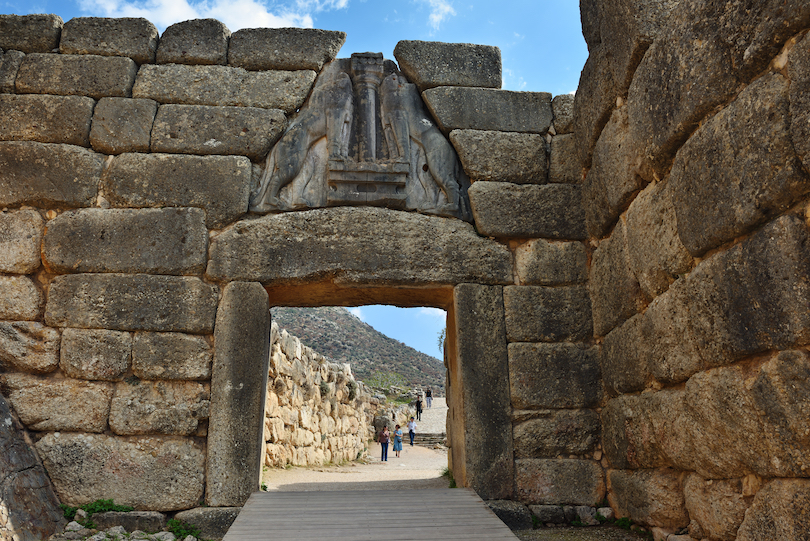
{"x":542,"y":50}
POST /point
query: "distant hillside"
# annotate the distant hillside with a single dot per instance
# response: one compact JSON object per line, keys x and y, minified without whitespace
{"x":342,"y":337}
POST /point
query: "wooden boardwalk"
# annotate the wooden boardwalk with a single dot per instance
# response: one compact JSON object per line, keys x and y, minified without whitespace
{"x":368,"y":515}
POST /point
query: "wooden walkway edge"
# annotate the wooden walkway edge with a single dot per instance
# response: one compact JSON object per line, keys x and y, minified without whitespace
{"x":368,"y":515}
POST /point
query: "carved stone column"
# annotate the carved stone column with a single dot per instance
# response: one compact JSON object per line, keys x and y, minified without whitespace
{"x":367,"y":71}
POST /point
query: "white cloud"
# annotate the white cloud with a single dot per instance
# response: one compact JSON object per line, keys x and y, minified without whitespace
{"x":439,"y":11}
{"x":357,"y":312}
{"x":433,"y":312}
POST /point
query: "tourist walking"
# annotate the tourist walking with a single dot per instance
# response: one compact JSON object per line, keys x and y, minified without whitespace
{"x":419,"y":408}
{"x":384,"y":438}
{"x":397,"y":440}
{"x":429,"y":398}
{"x":411,"y":430}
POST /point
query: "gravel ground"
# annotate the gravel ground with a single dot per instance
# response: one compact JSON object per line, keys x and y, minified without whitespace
{"x":594,"y":533}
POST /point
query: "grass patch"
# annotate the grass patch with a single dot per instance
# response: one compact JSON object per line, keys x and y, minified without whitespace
{"x":181,"y":530}
{"x":98,"y":506}
{"x":447,"y":474}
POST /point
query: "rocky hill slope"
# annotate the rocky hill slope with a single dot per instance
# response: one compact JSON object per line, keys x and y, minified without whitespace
{"x":342,"y":337}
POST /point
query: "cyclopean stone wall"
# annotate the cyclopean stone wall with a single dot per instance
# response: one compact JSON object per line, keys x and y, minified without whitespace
{"x":691,"y":123}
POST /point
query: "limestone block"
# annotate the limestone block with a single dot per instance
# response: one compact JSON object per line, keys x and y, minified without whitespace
{"x":30,"y":33}
{"x":429,"y":64}
{"x":162,"y":474}
{"x":157,"y":241}
{"x":20,"y":299}
{"x":131,"y":37}
{"x":625,"y":355}
{"x":159,"y":407}
{"x":138,"y":302}
{"x":47,"y":119}
{"x":628,"y":424}
{"x":218,"y":184}
{"x":781,"y":510}
{"x":593,"y":102}
{"x":546,"y":514}
{"x":345,"y":242}
{"x":80,"y":75}
{"x":654,"y":250}
{"x":202,"y":129}
{"x":171,"y":356}
{"x":29,"y":346}
{"x":31,"y":508}
{"x":553,"y":481}
{"x":95,"y":354}
{"x":223,"y":85}
{"x":513,"y":514}
{"x":198,"y":41}
{"x":554,"y":376}
{"x":462,"y":108}
{"x":122,"y":125}
{"x":45,"y":174}
{"x":613,"y":180}
{"x":9,"y":65}
{"x":551,"y":433}
{"x":718,"y":506}
{"x":502,"y":156}
{"x":738,"y":169}
{"x":562,"y":107}
{"x":548,"y":314}
{"x":145,"y":521}
{"x":591,"y":22}
{"x":59,"y":404}
{"x":540,"y":262}
{"x":20,"y":237}
{"x":615,"y":293}
{"x":649,"y":497}
{"x":213,"y":522}
{"x":799,"y":73}
{"x":507,"y":210}
{"x":283,"y":48}
{"x":239,"y":384}
{"x":564,"y":164}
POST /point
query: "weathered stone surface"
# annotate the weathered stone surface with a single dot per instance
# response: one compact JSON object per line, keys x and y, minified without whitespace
{"x":429,"y":64}
{"x":615,"y":293}
{"x":283,"y":48}
{"x":145,"y":521}
{"x":161,"y":407}
{"x":122,"y":125}
{"x":612,"y":180}
{"x":461,"y":108}
{"x":199,"y":41}
{"x":9,"y":65}
{"x":96,"y":354}
{"x":131,"y":37}
{"x":546,"y":514}
{"x":58,"y":404}
{"x":564,"y":163}
{"x":540,"y":262}
{"x":223,"y":85}
{"x":513,"y":514}
{"x":718,"y":506}
{"x":484,"y":464}
{"x":20,"y":237}
{"x":562,"y":107}
{"x":502,"y":156}
{"x":171,"y":356}
{"x":202,"y":129}
{"x":593,"y":102}
{"x":20,"y":299}
{"x":344,"y":242}
{"x":591,"y":22}
{"x":799,"y":72}
{"x":625,"y":357}
{"x":654,"y":250}
{"x":650,"y":497}
{"x":45,"y":174}
{"x":132,"y":303}
{"x":157,"y":241}
{"x":29,"y":346}
{"x":551,"y":433}
{"x":554,"y":376}
{"x":30,"y":33}
{"x":548,"y":314}
{"x":213,"y":522}
{"x":574,"y":482}
{"x":239,"y":390}
{"x":162,"y":474}
{"x":47,"y":119}
{"x":781,"y":510}
{"x":547,"y":211}
{"x":80,"y":75}
{"x":218,"y":184}
{"x":738,"y":169}
{"x":31,"y":509}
